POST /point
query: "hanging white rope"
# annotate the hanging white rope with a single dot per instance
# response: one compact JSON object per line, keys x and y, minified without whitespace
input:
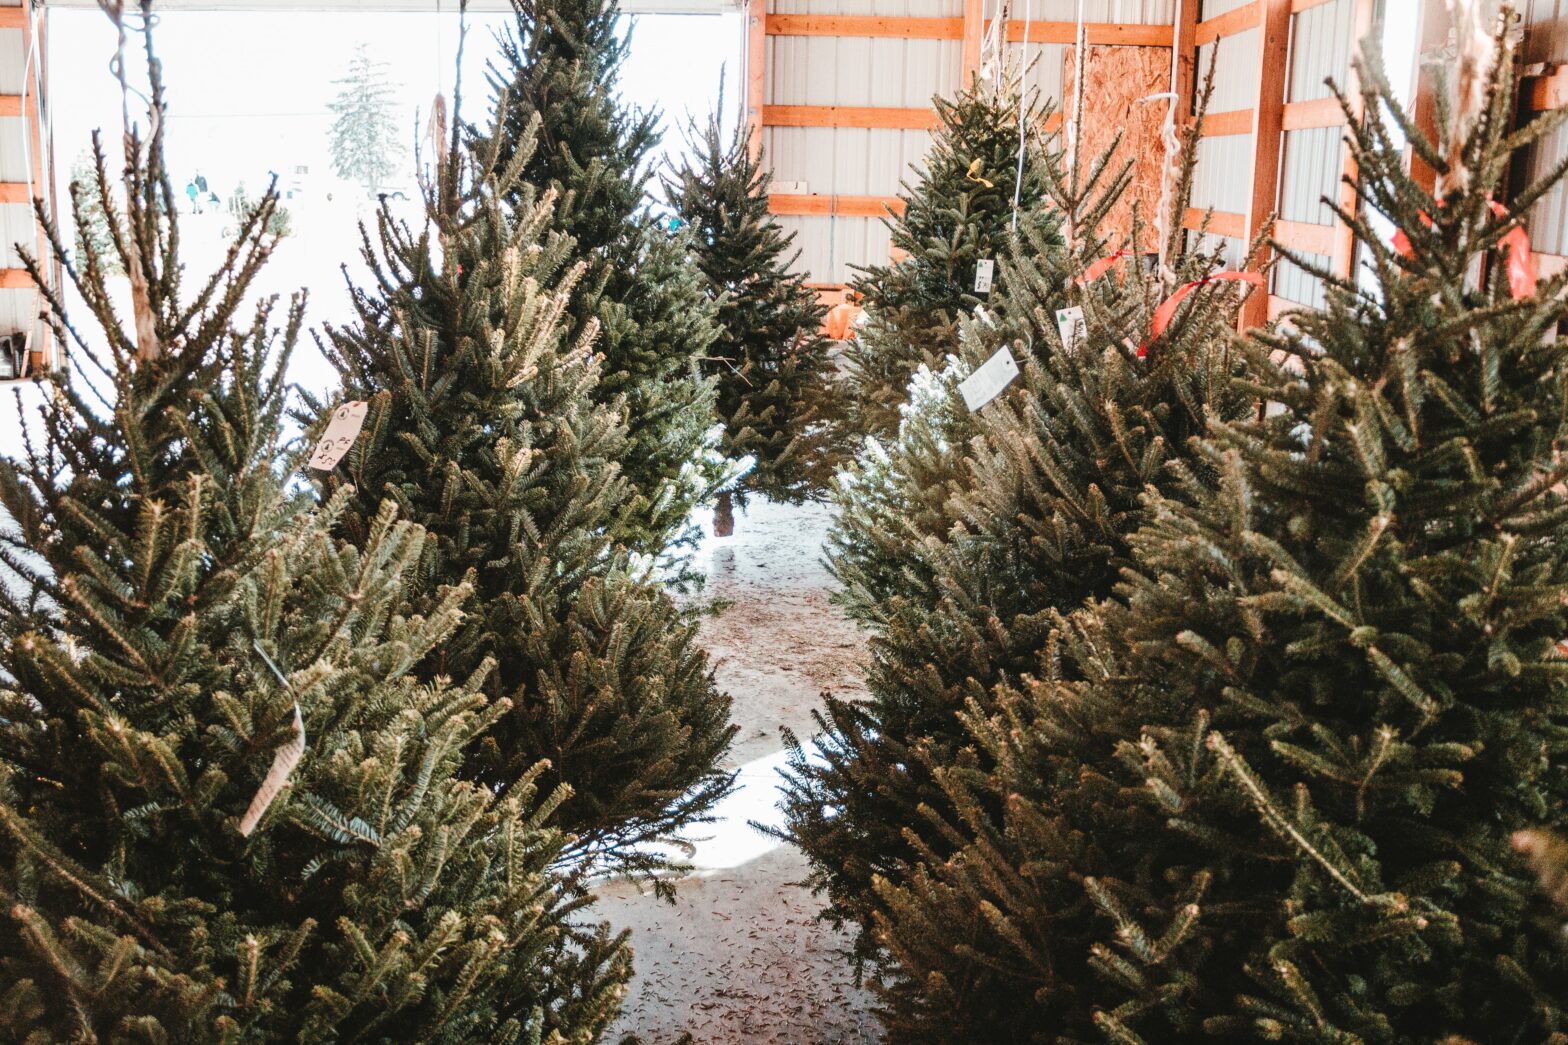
{"x":1023,"y":95}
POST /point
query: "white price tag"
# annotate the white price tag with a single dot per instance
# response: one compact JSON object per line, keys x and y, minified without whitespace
{"x":341,"y":432}
{"x":1069,"y":323}
{"x":995,"y":374}
{"x":985,"y":272}
{"x":283,"y":762}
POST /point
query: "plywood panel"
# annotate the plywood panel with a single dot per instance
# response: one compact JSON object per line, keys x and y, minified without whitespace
{"x":1115,"y":79}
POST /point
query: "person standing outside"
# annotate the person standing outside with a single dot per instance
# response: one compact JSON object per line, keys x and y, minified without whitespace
{"x":190,"y":192}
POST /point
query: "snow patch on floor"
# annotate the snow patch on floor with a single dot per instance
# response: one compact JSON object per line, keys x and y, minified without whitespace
{"x":740,"y":956}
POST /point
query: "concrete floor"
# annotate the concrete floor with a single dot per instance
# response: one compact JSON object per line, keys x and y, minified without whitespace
{"x":740,"y":957}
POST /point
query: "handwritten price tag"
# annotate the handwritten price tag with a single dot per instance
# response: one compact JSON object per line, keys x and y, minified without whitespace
{"x":986,"y":383}
{"x":985,"y":274}
{"x":341,"y":432}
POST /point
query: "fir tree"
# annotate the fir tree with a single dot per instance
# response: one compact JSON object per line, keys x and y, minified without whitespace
{"x":171,"y":623}
{"x":557,"y":78}
{"x":1275,"y":788}
{"x":364,"y":137}
{"x":959,"y":212}
{"x":1033,"y":519}
{"x":90,"y":216}
{"x":482,"y":427}
{"x":775,"y":383}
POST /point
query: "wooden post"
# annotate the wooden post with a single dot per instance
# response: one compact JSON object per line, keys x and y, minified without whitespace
{"x":974,"y":28}
{"x":1434,"y":34}
{"x":756,"y":70}
{"x":1185,"y":41}
{"x":1344,"y":239}
{"x":1268,"y":119}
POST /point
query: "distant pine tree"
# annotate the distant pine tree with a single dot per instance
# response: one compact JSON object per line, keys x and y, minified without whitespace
{"x":364,"y":140}
{"x":957,"y":214}
{"x":777,"y":395}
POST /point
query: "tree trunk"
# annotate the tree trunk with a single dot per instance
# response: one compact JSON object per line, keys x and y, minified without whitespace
{"x":724,"y":516}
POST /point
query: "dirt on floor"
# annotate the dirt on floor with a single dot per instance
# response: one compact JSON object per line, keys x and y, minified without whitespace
{"x":740,"y":957}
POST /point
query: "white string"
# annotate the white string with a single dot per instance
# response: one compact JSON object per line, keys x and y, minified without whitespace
{"x":1023,"y":95}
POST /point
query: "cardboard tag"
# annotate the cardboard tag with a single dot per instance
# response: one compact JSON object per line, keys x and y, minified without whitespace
{"x":341,"y":432}
{"x":283,"y":763}
{"x":1069,"y":323}
{"x":986,"y":383}
{"x":985,"y":272}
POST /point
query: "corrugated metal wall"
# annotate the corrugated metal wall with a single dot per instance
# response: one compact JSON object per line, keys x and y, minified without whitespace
{"x":851,"y":71}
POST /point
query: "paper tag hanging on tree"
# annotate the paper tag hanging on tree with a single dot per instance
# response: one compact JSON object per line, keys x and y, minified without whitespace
{"x":985,"y":272}
{"x":341,"y":432}
{"x":1070,"y":325}
{"x":986,"y":383}
{"x":283,"y":763}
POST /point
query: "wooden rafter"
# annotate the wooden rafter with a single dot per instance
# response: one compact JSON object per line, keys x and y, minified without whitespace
{"x":848,"y":116}
{"x":756,"y":71}
{"x":974,"y":32}
{"x":1267,"y":133}
{"x":1230,"y":23}
{"x":1220,"y":222}
{"x":841,"y":206}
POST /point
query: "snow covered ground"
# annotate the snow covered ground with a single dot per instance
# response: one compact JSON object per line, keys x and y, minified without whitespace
{"x":740,"y":957}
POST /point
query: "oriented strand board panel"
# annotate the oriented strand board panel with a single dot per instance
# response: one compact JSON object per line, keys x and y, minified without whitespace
{"x":1115,"y":81}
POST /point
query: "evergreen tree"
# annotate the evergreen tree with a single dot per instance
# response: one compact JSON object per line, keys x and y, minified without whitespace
{"x":90,"y":216}
{"x":364,"y":137}
{"x":959,"y":212}
{"x":1033,"y":519}
{"x":172,"y":627}
{"x":482,"y":427}
{"x":1275,"y":788}
{"x":776,"y":388}
{"x":558,"y":78}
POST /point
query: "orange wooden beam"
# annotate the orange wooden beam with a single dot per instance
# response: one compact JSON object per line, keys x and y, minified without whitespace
{"x":1320,"y":112}
{"x":1434,"y":36}
{"x":1247,"y":16}
{"x":842,"y":206}
{"x":1220,"y":222}
{"x":848,"y":116}
{"x":1543,"y":93}
{"x":756,"y":72}
{"x":1306,"y":237}
{"x":1224,"y":124}
{"x":1267,"y":135}
{"x":974,"y":29}
{"x":16,"y":279}
{"x":10,"y":105}
{"x":875,"y":26}
{"x":1114,"y":33}
{"x":13,"y":17}
{"x":1298,"y":6}
{"x":14,"y":192}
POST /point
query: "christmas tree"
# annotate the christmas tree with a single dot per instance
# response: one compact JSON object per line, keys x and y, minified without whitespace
{"x":92,"y":225}
{"x":557,"y":79}
{"x":776,"y":388}
{"x":227,"y":810}
{"x":482,"y":426}
{"x":365,"y":138}
{"x":1281,"y":787}
{"x":957,"y":216}
{"x":1033,"y":520}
